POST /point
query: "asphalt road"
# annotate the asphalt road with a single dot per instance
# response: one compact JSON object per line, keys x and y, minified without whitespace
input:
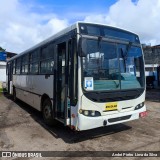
{"x":22,"y":129}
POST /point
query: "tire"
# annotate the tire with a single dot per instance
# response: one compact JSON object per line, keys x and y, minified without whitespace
{"x":14,"y":95}
{"x":47,"y":112}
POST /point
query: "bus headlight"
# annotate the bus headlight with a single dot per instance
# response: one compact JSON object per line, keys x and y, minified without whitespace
{"x":86,"y":113}
{"x":139,"y":106}
{"x":90,"y":113}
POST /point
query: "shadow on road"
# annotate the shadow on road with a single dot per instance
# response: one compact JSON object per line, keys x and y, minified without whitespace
{"x":153,"y":95}
{"x":65,"y":133}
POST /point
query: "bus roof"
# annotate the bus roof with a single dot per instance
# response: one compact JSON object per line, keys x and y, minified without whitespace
{"x":62,"y":32}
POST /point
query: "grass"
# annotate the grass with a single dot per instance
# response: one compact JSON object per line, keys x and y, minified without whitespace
{"x":2,"y":90}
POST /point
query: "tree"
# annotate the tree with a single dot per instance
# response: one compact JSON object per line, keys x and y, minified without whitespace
{"x":1,"y":49}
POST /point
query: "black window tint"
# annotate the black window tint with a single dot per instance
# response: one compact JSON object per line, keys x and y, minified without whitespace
{"x":47,"y":66}
{"x":34,"y":56}
{"x":47,"y":59}
{"x":93,"y":30}
{"x":47,"y":51}
{"x":120,"y":34}
{"x":106,"y":31}
{"x":25,"y":68}
{"x":25,"y":64}
{"x":34,"y":68}
{"x":25,"y":59}
{"x":18,"y":65}
{"x":14,"y":67}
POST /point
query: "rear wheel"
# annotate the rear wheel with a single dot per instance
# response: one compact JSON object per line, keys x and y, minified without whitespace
{"x":47,"y":112}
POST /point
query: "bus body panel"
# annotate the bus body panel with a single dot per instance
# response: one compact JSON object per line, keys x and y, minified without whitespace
{"x":85,"y":123}
{"x":30,"y":88}
{"x":123,"y":106}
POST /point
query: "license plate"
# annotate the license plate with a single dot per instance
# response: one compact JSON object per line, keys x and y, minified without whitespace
{"x":112,"y":106}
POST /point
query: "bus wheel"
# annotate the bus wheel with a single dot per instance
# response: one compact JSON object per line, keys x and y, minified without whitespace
{"x":14,"y":95}
{"x":47,"y":113}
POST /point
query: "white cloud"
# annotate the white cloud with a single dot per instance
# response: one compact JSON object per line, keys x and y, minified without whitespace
{"x":141,"y":17}
{"x":20,"y":28}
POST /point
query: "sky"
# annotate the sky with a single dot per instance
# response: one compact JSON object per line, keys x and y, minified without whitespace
{"x":24,"y":23}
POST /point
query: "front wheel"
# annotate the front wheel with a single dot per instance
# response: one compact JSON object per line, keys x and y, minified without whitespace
{"x":47,"y":112}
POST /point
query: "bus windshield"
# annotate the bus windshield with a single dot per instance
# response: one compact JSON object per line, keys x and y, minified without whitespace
{"x":112,"y":66}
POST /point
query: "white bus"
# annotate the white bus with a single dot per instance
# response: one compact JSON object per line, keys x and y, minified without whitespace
{"x":80,"y":77}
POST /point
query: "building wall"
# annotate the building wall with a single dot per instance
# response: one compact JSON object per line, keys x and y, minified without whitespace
{"x":3,"y":57}
{"x":2,"y":71}
{"x":152,"y":62}
{"x":152,"y":54}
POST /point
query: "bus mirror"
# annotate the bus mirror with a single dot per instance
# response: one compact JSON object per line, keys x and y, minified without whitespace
{"x":82,"y":47}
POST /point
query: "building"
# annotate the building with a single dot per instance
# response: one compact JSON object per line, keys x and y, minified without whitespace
{"x":152,"y":64}
{"x":4,"y":56}
{"x":151,"y":54}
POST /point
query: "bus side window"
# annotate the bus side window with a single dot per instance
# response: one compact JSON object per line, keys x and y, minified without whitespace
{"x":47,"y":59}
{"x":34,"y":62}
{"x":18,"y":65}
{"x":14,"y":70}
{"x":25,"y":64}
{"x":46,"y":66}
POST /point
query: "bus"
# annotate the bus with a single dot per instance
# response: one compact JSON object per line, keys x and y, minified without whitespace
{"x":80,"y":77}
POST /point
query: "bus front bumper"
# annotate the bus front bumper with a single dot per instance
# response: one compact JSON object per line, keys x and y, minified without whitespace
{"x":85,"y":122}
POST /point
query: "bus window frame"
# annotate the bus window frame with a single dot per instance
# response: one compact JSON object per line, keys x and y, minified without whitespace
{"x":33,"y":61}
{"x":50,"y":46}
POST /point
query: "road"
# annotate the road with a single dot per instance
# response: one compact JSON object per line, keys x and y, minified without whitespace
{"x":22,"y":129}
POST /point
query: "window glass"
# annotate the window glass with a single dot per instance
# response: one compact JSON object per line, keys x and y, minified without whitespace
{"x":131,"y":60}
{"x":111,"y":66}
{"x":18,"y":70}
{"x":101,"y":64}
{"x":47,"y":66}
{"x":25,"y":64}
{"x":34,"y":68}
{"x":18,"y":65}
{"x":25,"y":68}
{"x":93,"y":30}
{"x":18,"y":62}
{"x":25,"y":59}
{"x":120,"y":34}
{"x":14,"y":67}
{"x":47,"y":51}
{"x":106,"y":31}
{"x":34,"y":56}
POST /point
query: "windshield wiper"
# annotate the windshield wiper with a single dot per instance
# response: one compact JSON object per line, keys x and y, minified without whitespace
{"x":125,"y":54}
{"x":99,"y":40}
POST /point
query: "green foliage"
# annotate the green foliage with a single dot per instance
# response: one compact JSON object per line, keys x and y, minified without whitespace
{"x":1,"y":49}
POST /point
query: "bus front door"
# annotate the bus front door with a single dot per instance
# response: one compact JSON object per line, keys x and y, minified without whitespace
{"x":61,"y":87}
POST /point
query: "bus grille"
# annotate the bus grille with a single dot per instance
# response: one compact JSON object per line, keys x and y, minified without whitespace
{"x":119,"y":119}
